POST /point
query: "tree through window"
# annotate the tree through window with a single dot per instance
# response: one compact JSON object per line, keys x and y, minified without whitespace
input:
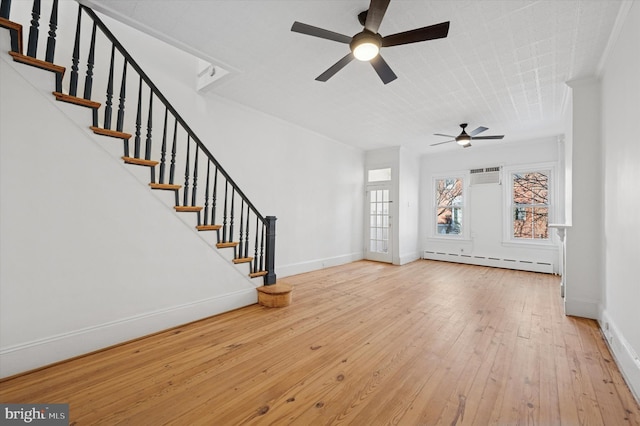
{"x":449,"y":206}
{"x":530,"y":205}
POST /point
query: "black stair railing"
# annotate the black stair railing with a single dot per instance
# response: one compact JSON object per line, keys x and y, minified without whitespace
{"x":237,"y":224}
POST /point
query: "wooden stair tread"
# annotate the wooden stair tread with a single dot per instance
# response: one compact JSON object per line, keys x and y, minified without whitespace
{"x":76,"y":101}
{"x":242,"y":260}
{"x":140,"y":161}
{"x":28,"y":60}
{"x":13,"y":26}
{"x":208,"y":227}
{"x":188,"y":209}
{"x":165,"y":186}
{"x":227,"y":245}
{"x":110,"y":133}
{"x":258,"y":274}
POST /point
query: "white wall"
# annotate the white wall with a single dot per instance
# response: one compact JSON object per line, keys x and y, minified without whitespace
{"x":620,"y":317}
{"x":584,"y":251}
{"x":485,"y":205}
{"x":408,"y":207}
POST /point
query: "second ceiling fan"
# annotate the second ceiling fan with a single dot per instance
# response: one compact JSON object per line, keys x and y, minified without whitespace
{"x":464,"y":139}
{"x":366,"y":45}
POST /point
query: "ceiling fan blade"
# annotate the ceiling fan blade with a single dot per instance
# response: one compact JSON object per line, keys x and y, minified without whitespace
{"x":301,"y":28}
{"x":478,"y":130}
{"x":487,"y":137}
{"x":440,"y":143}
{"x":419,"y":34}
{"x":335,"y":67}
{"x":383,"y":69}
{"x":448,"y":136}
{"x":376,"y":12}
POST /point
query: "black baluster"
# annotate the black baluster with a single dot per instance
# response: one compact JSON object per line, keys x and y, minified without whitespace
{"x":51,"y":40}
{"x":246,"y":237}
{"x":163,"y":150}
{"x":88,"y":82}
{"x":147,"y":145}
{"x":195,"y":178}
{"x":255,"y":247}
{"x":5,"y":9}
{"x":224,"y":212}
{"x":123,"y":90}
{"x":172,"y":169}
{"x":109,"y":102}
{"x":262,"y":248}
{"x":75,"y":59}
{"x":136,"y":144}
{"x":241,"y":234}
{"x":32,"y":47}
{"x":232,"y":215}
{"x":186,"y":174}
{"x":214,"y":197}
{"x":206,"y":197}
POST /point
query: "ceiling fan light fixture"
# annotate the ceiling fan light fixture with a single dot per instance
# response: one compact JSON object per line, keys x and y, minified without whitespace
{"x":463,"y":140}
{"x":366,"y":46}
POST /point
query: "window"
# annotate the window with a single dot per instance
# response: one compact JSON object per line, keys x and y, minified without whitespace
{"x":379,"y":175}
{"x":530,"y":205}
{"x":449,"y":204}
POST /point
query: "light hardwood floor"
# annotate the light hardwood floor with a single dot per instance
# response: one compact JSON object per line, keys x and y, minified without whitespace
{"x":363,"y":344}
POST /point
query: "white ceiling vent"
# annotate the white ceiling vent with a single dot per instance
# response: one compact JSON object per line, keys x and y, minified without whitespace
{"x":486,"y":175}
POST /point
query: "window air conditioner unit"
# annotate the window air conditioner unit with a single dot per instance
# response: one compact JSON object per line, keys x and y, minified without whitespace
{"x":486,"y":175}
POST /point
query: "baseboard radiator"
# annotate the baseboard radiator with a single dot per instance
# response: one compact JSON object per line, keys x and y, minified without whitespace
{"x":519,"y":264}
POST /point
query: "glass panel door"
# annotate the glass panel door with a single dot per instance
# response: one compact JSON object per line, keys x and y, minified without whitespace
{"x":378,"y":244}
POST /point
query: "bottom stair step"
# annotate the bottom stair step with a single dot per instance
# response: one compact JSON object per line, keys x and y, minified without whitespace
{"x":275,"y":296}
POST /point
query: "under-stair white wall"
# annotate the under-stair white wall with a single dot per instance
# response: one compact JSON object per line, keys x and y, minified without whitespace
{"x":88,"y":256}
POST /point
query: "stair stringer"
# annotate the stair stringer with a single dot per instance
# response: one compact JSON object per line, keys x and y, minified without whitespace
{"x":88,"y":260}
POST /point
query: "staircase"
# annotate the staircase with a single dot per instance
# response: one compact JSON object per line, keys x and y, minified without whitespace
{"x":153,"y":135}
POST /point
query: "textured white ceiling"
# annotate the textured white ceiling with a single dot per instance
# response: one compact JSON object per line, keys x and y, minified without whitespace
{"x":504,"y":64}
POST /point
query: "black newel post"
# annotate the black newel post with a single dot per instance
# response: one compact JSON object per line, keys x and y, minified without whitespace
{"x":270,"y":278}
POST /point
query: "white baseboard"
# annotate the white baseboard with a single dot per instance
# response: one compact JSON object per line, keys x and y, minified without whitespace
{"x":407,"y":258}
{"x":495,"y":262}
{"x":581,"y":307}
{"x":313,"y":265}
{"x":39,"y":353}
{"x":626,"y":358}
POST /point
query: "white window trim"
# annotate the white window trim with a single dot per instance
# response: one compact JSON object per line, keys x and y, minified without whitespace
{"x":465,"y":235}
{"x":507,"y":239}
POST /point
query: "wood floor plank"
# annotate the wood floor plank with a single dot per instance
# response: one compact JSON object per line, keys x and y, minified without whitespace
{"x":363,"y":343}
